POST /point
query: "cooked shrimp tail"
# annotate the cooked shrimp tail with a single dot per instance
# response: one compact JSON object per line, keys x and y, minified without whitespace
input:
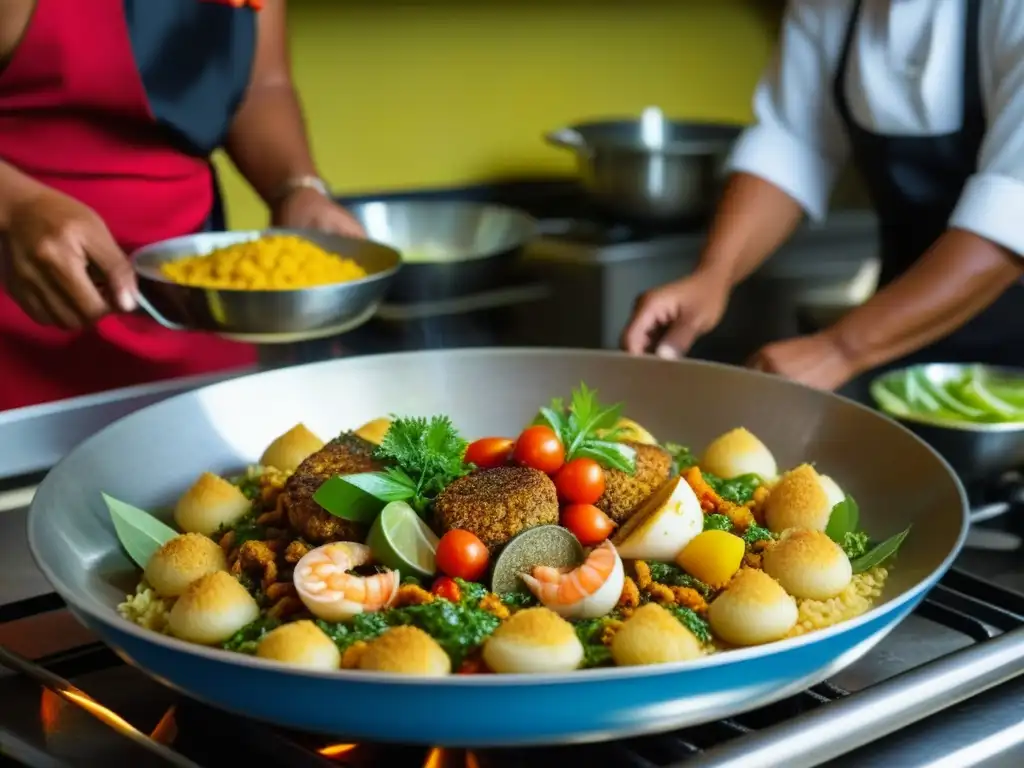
{"x":588,"y":591}
{"x":326,"y":586}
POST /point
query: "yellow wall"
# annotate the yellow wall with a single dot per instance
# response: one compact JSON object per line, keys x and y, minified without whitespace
{"x":436,"y":94}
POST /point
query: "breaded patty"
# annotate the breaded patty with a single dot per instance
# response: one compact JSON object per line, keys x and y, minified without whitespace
{"x":497,"y":504}
{"x":345,"y":455}
{"x":623,"y":493}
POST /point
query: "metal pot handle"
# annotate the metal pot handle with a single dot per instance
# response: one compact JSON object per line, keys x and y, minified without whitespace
{"x":567,"y":138}
{"x":153,"y":313}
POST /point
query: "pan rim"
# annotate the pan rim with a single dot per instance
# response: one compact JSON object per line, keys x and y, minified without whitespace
{"x":109,"y":616}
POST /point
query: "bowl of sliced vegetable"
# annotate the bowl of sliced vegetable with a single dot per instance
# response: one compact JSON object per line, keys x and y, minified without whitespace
{"x":972,"y":414}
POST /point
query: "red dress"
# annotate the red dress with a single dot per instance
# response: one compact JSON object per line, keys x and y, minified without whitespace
{"x":110,"y":102}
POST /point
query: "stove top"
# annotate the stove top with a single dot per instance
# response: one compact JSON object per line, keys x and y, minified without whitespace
{"x":83,"y":706}
{"x":943,"y":689}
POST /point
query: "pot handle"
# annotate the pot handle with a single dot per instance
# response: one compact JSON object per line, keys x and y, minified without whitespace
{"x":150,"y":310}
{"x":567,"y":138}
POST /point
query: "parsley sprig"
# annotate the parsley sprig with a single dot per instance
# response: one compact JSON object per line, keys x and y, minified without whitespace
{"x":424,"y":455}
{"x":589,"y":429}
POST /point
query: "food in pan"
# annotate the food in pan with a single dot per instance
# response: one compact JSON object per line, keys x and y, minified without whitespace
{"x":268,"y":263}
{"x":401,"y":548}
{"x":974,"y":395}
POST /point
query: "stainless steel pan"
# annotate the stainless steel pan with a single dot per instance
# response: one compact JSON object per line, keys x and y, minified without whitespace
{"x":449,"y":248}
{"x":650,"y":168}
{"x":149,"y":457}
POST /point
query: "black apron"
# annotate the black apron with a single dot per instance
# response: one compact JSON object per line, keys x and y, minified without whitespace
{"x":914,"y":184}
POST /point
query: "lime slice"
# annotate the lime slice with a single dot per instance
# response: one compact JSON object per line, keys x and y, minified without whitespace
{"x":400,"y":540}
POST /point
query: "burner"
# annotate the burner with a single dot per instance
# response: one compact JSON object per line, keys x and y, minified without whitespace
{"x":67,"y":709}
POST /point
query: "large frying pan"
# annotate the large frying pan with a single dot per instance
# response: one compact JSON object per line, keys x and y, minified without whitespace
{"x":148,"y":457}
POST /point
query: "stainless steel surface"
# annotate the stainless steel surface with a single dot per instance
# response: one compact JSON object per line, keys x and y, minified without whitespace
{"x":594,"y":288}
{"x":899,"y":482}
{"x":143,"y":750}
{"x":813,"y":738}
{"x":264,"y":317}
{"x":447,"y":247}
{"x":35,"y":438}
{"x":976,"y":451}
{"x":651,"y":167}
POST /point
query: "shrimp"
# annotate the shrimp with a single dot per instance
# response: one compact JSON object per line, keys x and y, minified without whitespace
{"x":331,"y":593}
{"x":588,"y":591}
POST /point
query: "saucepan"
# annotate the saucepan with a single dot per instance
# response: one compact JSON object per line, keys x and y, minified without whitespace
{"x":147,"y":458}
{"x":979,"y":448}
{"x":650,"y":168}
{"x":449,"y":248}
{"x":264,"y":316}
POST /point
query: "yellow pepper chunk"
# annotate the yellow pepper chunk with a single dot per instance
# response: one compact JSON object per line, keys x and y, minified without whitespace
{"x":713,"y":557}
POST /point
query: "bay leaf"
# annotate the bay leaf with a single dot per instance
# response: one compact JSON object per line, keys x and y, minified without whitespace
{"x":139,"y":532}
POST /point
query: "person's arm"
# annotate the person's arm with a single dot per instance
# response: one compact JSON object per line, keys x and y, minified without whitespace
{"x":980,"y":255}
{"x":267,"y":140}
{"x":787,"y":163}
{"x":955,"y":280}
{"x":15,"y":188}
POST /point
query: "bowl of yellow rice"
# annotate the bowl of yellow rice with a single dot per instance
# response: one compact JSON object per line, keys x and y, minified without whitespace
{"x":264,"y":286}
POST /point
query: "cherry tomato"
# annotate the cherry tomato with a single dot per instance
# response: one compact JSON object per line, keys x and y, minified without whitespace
{"x":588,"y":523}
{"x":447,"y":588}
{"x":473,"y":666}
{"x":580,"y":481}
{"x":489,"y":452}
{"x":460,"y":554}
{"x":540,"y":448}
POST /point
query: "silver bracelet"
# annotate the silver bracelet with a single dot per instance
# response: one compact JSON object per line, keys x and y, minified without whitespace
{"x":301,"y":182}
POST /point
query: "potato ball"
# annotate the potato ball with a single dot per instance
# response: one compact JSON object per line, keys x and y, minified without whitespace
{"x":301,"y":643}
{"x":753,"y":609}
{"x":808,"y":564}
{"x":533,"y":640}
{"x":181,"y":561}
{"x":291,"y":449}
{"x":407,"y":651}
{"x":738,"y":452}
{"x":210,"y":503}
{"x":212,"y":609}
{"x":652,"y":635}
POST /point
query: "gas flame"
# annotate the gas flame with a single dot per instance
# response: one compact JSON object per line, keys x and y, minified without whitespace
{"x":336,"y":750}
{"x":439,"y":757}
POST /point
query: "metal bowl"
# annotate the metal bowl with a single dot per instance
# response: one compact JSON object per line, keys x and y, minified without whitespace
{"x":264,"y":317}
{"x":652,"y":167}
{"x":449,"y":248}
{"x":977,"y":452}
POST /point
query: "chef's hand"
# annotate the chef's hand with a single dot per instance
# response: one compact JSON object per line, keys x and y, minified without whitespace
{"x":308,"y":209}
{"x":818,"y":360}
{"x":55,"y":245}
{"x":671,"y":318}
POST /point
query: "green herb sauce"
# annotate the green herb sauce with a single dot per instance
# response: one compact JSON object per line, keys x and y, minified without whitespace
{"x":673,"y":576}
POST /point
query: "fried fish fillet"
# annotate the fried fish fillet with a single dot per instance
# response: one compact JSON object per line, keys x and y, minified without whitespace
{"x":345,"y":455}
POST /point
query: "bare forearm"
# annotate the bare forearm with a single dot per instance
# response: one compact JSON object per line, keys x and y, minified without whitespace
{"x":954,"y":281}
{"x":268,"y":140}
{"x":753,"y":219}
{"x":15,"y":188}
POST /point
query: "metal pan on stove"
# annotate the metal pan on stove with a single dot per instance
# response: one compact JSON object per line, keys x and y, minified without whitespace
{"x":148,"y":457}
{"x":449,"y":248}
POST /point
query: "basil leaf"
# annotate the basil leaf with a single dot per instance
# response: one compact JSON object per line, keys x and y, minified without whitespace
{"x":139,"y":532}
{"x":549,"y":417}
{"x":844,"y":519}
{"x":360,"y":498}
{"x":879,"y":554}
{"x":608,"y":454}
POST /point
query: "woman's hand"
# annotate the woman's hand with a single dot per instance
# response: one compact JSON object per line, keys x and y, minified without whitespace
{"x":819,"y":360}
{"x":308,"y":209}
{"x":671,"y":318}
{"x":54,"y":246}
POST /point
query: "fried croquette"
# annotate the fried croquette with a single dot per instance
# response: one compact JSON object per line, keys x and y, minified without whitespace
{"x":623,"y":492}
{"x":345,"y":455}
{"x":497,"y":504}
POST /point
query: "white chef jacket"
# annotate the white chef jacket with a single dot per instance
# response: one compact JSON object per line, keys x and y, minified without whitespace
{"x":904,"y":77}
